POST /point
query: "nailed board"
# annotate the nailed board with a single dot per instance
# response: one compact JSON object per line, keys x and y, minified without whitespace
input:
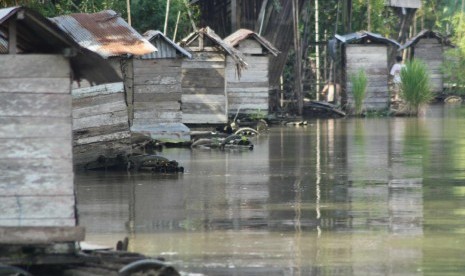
{"x":432,"y":53}
{"x":36,"y":179}
{"x":372,"y":59}
{"x":203,"y":89}
{"x":100,"y":120}
{"x":249,"y":94}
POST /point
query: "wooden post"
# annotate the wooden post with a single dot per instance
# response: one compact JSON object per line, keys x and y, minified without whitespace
{"x":12,"y":36}
{"x":166,"y":16}
{"x":233,"y":15}
{"x":298,"y":58}
{"x":128,"y":5}
{"x":176,"y":27}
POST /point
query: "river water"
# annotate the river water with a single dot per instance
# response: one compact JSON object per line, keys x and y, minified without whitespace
{"x":353,"y":196}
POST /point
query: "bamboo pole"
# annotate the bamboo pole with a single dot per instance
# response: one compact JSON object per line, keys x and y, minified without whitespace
{"x":317,"y":50}
{"x":166,"y":16}
{"x":298,"y":58}
{"x":176,"y":27}
{"x":128,"y":6}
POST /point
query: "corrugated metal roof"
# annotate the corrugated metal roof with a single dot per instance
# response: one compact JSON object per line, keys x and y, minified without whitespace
{"x":363,"y":35}
{"x":163,"y":50}
{"x":37,"y":34}
{"x":235,"y":38}
{"x":412,"y":4}
{"x":105,"y":33}
{"x":427,"y":34}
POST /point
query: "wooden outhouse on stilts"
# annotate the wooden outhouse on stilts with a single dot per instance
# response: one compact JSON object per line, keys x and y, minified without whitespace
{"x":429,"y":46}
{"x":101,"y":113}
{"x":368,"y":52}
{"x":38,"y":62}
{"x":157,"y":91}
{"x":204,"y":98}
{"x":249,"y":94}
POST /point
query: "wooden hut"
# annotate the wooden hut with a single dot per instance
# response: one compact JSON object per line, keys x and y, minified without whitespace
{"x":101,"y":114}
{"x":38,"y":63}
{"x":249,"y":93}
{"x":429,"y":46}
{"x":204,"y":98}
{"x":368,"y":52}
{"x":157,"y":91}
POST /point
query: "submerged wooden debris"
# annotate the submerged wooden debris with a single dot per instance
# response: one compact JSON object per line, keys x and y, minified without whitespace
{"x":145,"y":162}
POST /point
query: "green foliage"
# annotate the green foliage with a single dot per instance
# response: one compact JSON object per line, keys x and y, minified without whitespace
{"x":453,"y":70}
{"x":151,"y":16}
{"x":146,"y":14}
{"x":359,"y":86}
{"x":415,"y":87}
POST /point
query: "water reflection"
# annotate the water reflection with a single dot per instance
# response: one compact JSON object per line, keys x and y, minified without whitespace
{"x":377,"y":196}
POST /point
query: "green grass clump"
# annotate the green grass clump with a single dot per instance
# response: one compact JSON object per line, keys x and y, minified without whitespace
{"x":415,"y":87}
{"x":359,"y":88}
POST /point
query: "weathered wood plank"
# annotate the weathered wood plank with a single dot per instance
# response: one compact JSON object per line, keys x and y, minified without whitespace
{"x":28,"y":127}
{"x":98,"y":110}
{"x":353,"y":49}
{"x":97,"y":100}
{"x":114,"y":136}
{"x":38,"y":165}
{"x":98,"y":90}
{"x":250,"y":46}
{"x":26,"y":66}
{"x":151,"y":71}
{"x":204,"y":108}
{"x":252,"y":61}
{"x":37,"y":207}
{"x":153,"y":97}
{"x":247,"y":94}
{"x":53,"y":148}
{"x":202,"y":91}
{"x":159,"y":104}
{"x":204,"y":118}
{"x":51,"y":222}
{"x":113,"y":118}
{"x":249,"y":107}
{"x":214,"y":56}
{"x":248,"y":76}
{"x":99,"y":130}
{"x":85,"y":153}
{"x":46,"y":105}
{"x":204,"y":65}
{"x":36,"y":85}
{"x":157,"y":63}
{"x":19,"y":183}
{"x":158,"y":114}
{"x":162,"y":78}
{"x":41,"y":235}
{"x":158,"y":88}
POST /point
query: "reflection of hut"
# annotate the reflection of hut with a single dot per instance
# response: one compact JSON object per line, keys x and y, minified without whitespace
{"x":36,"y":174}
{"x":369,"y":52}
{"x":249,"y":94}
{"x":203,"y":78}
{"x":101,"y":113}
{"x":429,"y":47}
{"x":157,"y":90}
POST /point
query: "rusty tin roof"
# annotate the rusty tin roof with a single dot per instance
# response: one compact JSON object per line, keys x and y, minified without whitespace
{"x":235,"y":38}
{"x":364,"y":36}
{"x":37,"y":34}
{"x":105,"y":33}
{"x":427,"y":34}
{"x":152,"y":35}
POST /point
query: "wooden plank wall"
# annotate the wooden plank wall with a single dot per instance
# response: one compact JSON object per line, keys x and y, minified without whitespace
{"x":100,"y":123}
{"x":203,"y":88}
{"x":36,"y":173}
{"x":157,"y":91}
{"x":372,"y":59}
{"x":431,"y":52}
{"x":249,"y":94}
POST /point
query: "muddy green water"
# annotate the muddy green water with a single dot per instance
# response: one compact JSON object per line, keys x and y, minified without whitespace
{"x":371,"y":196}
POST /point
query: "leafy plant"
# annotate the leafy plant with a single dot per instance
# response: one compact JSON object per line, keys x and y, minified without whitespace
{"x":359,"y":86}
{"x":415,"y":86}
